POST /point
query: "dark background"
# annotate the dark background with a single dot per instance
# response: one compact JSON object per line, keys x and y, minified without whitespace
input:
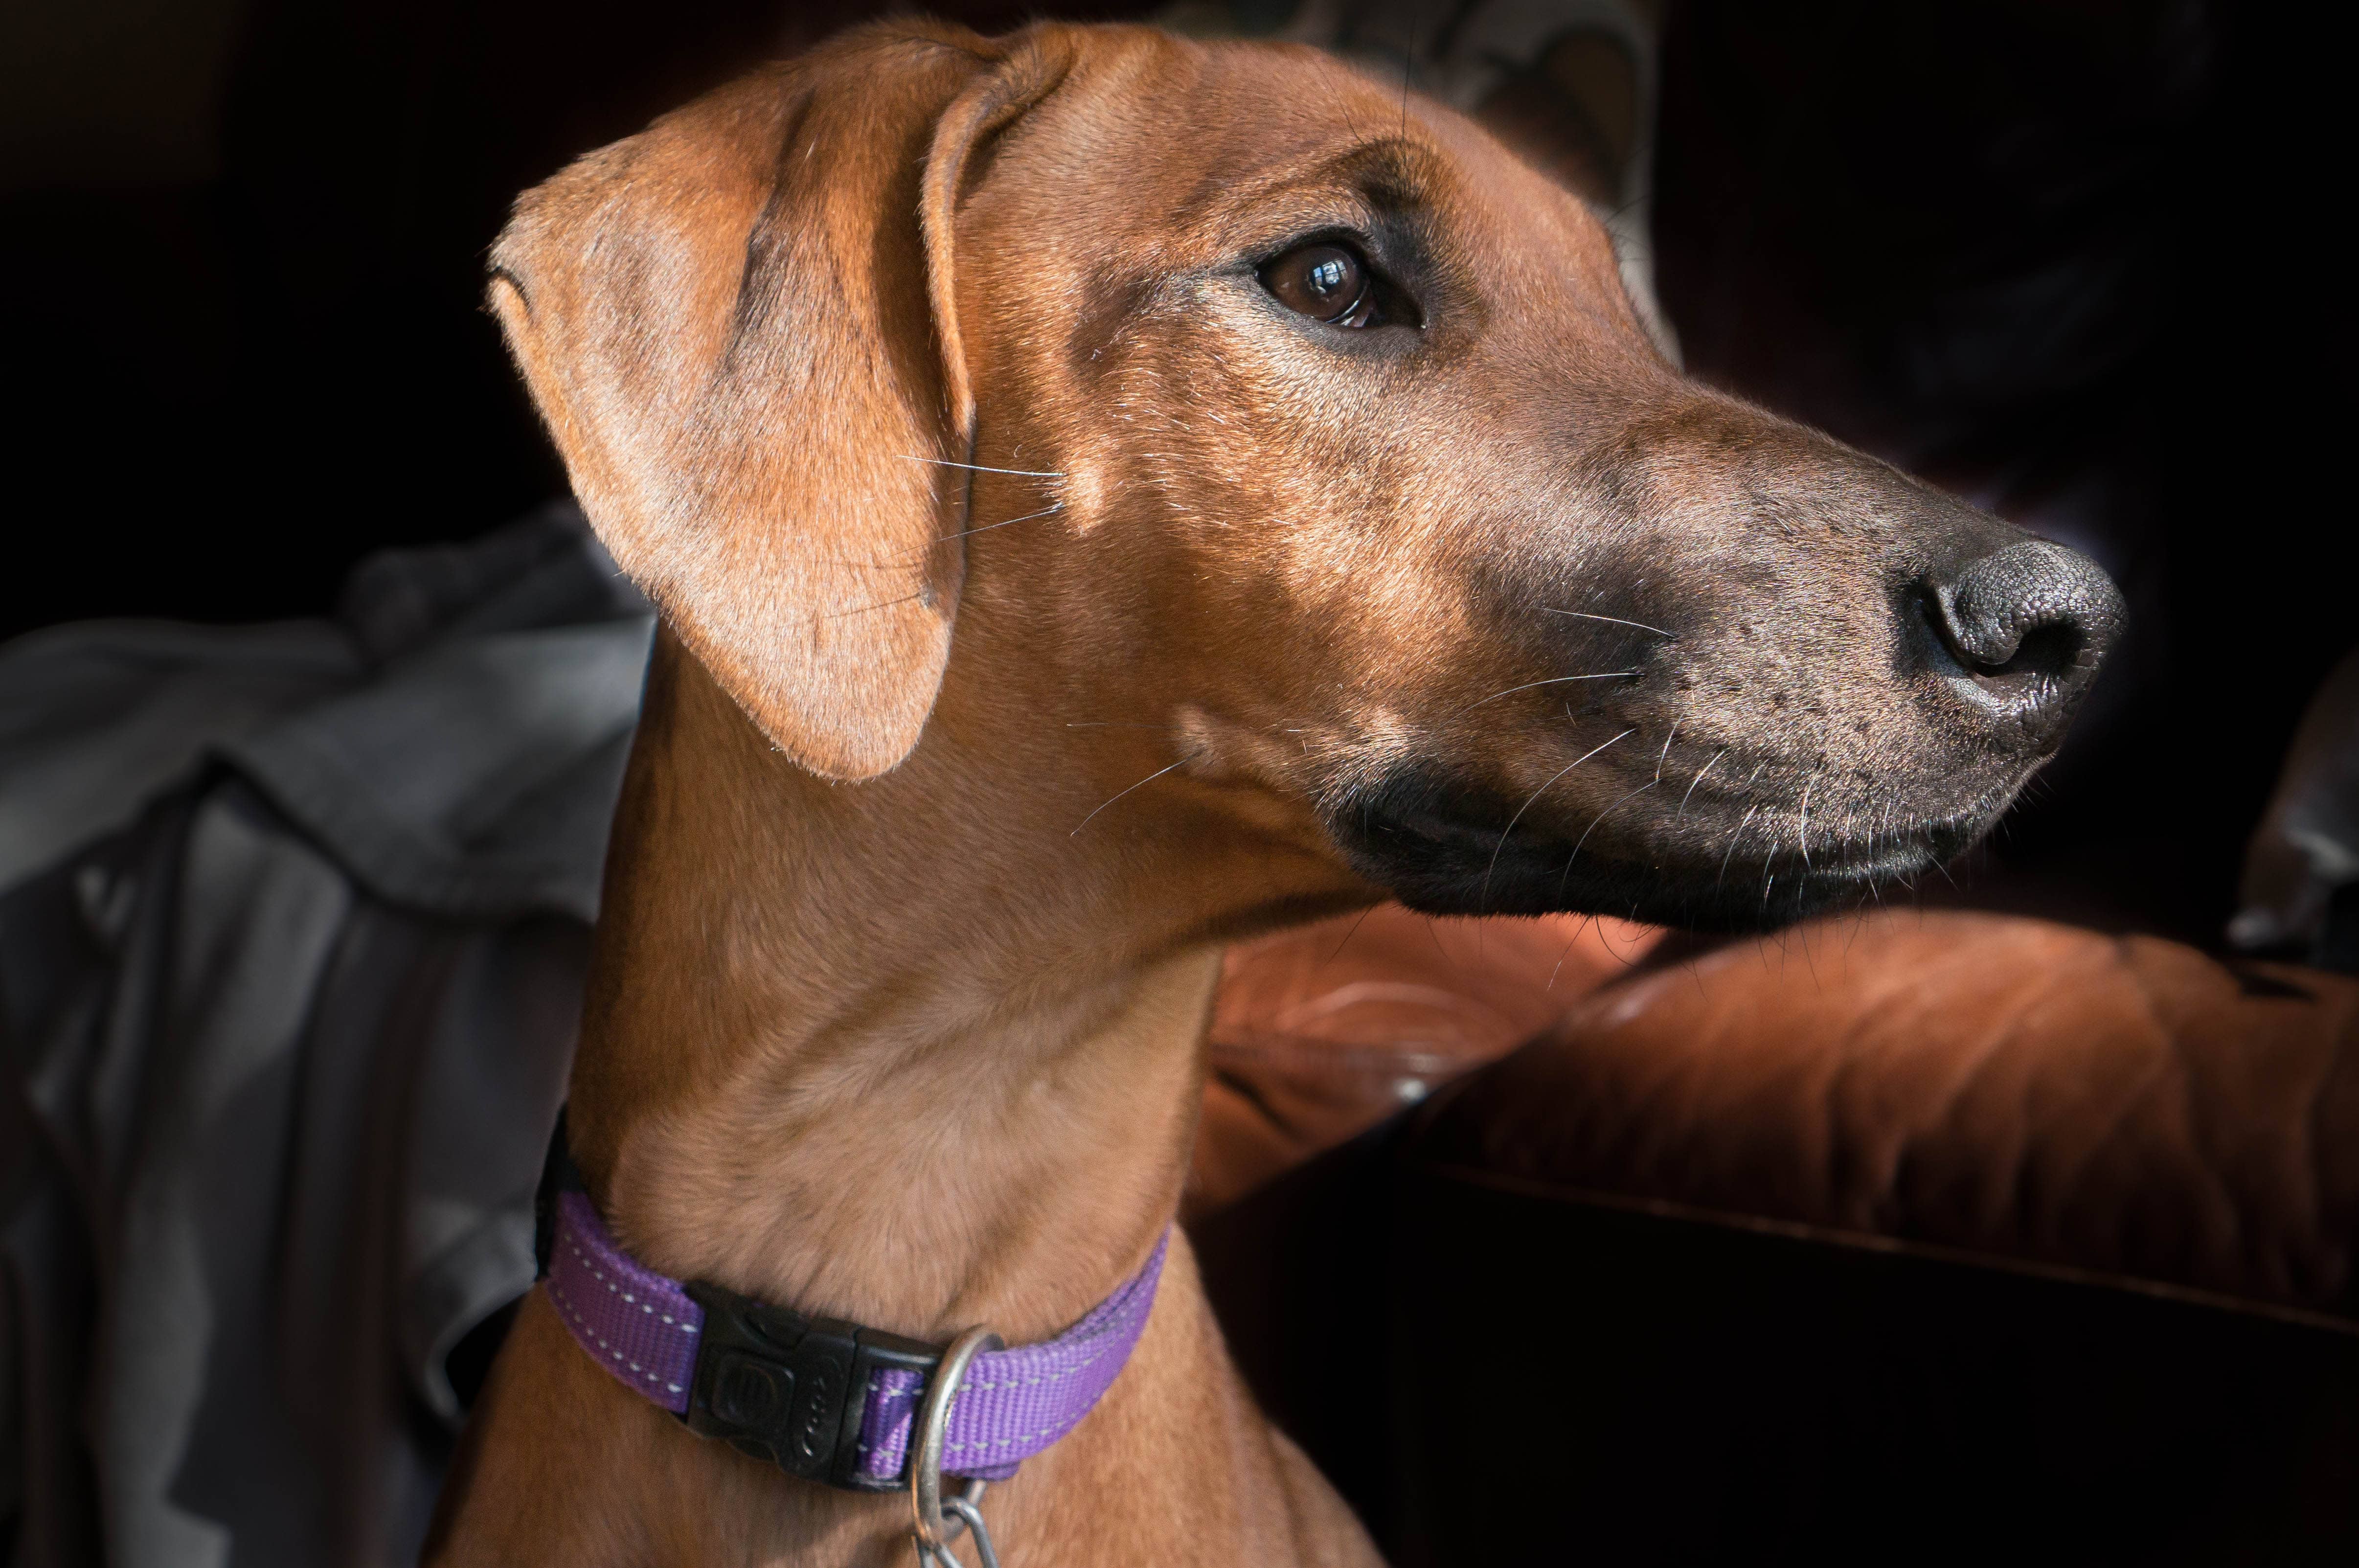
{"x":2069,"y":257}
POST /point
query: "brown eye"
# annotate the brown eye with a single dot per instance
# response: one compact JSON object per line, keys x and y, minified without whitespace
{"x":1325,"y":282}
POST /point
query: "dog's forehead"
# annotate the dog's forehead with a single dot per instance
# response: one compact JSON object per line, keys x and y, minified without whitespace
{"x":1201,"y":150}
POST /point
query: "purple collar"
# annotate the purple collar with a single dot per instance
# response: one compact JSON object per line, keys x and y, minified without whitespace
{"x":820,"y":1399}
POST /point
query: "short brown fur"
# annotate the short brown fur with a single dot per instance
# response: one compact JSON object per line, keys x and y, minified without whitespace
{"x":953,"y":780}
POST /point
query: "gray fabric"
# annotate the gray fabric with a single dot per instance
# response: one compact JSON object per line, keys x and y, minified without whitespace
{"x":459,"y":787}
{"x":293,"y":923}
{"x":2303,"y":858}
{"x":95,"y":718}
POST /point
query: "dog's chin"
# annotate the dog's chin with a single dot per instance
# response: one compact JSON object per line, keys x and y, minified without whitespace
{"x":1441,"y":857}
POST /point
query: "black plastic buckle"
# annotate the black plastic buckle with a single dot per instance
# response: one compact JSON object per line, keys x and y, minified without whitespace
{"x":791,"y":1389}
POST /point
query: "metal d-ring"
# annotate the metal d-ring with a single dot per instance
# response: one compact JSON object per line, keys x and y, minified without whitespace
{"x":933,"y":1531}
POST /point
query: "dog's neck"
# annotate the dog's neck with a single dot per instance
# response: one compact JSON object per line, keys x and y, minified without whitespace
{"x":855,"y":1049}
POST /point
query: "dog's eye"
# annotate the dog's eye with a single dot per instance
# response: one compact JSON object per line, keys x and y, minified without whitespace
{"x":1325,"y":282}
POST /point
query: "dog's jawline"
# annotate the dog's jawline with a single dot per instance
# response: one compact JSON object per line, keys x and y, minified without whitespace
{"x":1442,"y":852}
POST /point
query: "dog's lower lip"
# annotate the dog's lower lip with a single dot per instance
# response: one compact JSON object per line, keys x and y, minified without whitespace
{"x":1921,"y":844}
{"x":1451,"y":852}
{"x":1439,"y":829}
{"x":1445,"y":826}
{"x":1883,"y":863}
{"x":1903,"y":852}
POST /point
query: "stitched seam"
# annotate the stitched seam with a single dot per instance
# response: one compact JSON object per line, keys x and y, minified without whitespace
{"x":1097,"y":1355}
{"x":565,"y":1305}
{"x":895,"y":1396}
{"x":612,"y":1288}
{"x":1057,"y":1429}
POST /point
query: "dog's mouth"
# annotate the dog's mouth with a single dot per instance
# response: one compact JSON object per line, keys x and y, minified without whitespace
{"x":1724,"y":866}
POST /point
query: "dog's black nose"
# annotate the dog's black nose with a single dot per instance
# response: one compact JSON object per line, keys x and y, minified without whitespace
{"x":2027,"y":626}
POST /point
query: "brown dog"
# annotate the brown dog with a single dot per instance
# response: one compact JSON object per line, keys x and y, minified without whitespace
{"x":1109,"y":495}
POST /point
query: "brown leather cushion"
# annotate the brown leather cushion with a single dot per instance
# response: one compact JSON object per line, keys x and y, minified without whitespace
{"x":1323,"y":1032}
{"x":1919,"y":1237}
{"x":2007,"y":1088}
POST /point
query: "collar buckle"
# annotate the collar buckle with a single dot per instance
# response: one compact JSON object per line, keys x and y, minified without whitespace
{"x":792,"y":1390}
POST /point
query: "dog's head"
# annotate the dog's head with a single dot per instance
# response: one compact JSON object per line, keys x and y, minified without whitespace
{"x":1248,"y":420}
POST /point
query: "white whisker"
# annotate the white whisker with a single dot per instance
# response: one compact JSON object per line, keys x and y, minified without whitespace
{"x":1696,"y":780}
{"x":1610,"y":620}
{"x":1732,"y":839}
{"x":1005,"y":522}
{"x":979,"y":468}
{"x":1527,"y":806}
{"x":1552,"y":680}
{"x":1140,"y":785}
{"x":1592,"y":828}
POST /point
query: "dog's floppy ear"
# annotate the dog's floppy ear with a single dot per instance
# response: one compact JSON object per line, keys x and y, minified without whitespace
{"x":740,"y":327}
